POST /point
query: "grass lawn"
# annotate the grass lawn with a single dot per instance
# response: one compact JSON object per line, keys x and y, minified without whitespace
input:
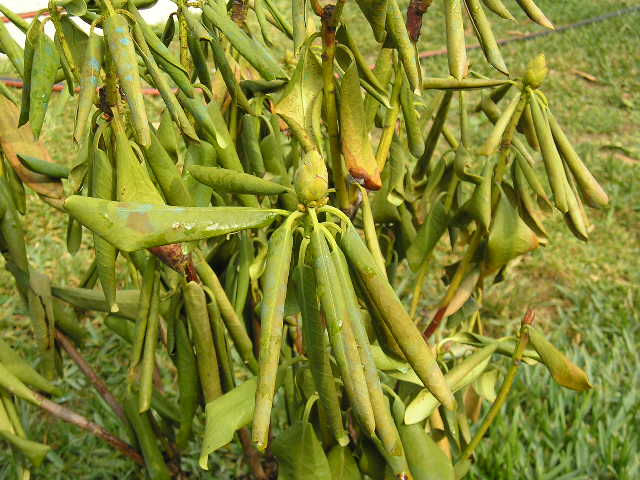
{"x":585,"y":294}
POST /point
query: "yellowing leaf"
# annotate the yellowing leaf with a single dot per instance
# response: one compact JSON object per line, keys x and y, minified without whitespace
{"x":356,"y":145}
{"x":563,"y":370}
{"x":14,"y":141}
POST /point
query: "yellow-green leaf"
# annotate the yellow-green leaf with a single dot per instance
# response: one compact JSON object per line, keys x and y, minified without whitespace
{"x":133,"y":226}
{"x":563,"y":370}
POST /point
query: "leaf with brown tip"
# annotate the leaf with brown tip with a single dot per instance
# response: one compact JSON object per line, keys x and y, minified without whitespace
{"x":14,"y":141}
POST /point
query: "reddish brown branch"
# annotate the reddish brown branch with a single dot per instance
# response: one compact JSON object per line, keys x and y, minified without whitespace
{"x":70,"y":416}
{"x":435,"y":323}
{"x":252,"y":455}
{"x":99,"y":384}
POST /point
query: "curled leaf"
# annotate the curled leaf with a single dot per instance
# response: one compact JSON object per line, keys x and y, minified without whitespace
{"x":356,"y":145}
{"x":509,"y":238}
{"x":563,"y":370}
{"x":14,"y":141}
{"x":304,"y":86}
{"x":224,"y":180}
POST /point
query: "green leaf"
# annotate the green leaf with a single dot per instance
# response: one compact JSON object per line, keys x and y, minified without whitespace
{"x":563,"y":370}
{"x":300,"y":455}
{"x":225,"y":415}
{"x":426,"y":460}
{"x":376,"y":13}
{"x":14,"y":386}
{"x":25,"y":372}
{"x":34,"y":451}
{"x":465,"y":372}
{"x":485,"y":386}
{"x":44,"y":167}
{"x":87,"y":299}
{"x":342,"y":464}
{"x":305,"y":85}
{"x":225,"y":180}
{"x":428,"y":235}
{"x":510,"y":236}
{"x":134,"y":226}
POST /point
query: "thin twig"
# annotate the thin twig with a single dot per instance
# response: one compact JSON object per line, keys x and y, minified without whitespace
{"x":99,"y":384}
{"x":252,"y":455}
{"x":504,"y":389}
{"x":70,"y":416}
{"x":329,"y":18}
{"x":435,"y":323}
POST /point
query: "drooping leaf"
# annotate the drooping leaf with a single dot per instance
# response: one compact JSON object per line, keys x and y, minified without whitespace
{"x":300,"y":455}
{"x":34,"y":451}
{"x":563,"y":370}
{"x":225,"y":415}
{"x":88,"y":299}
{"x":342,"y":464}
{"x":46,"y":61}
{"x":479,"y":205}
{"x":43,"y":167}
{"x":76,"y":39}
{"x":25,"y":372}
{"x":463,"y":293}
{"x":14,"y":386}
{"x":303,"y":87}
{"x":426,"y":460}
{"x":14,"y":141}
{"x":224,"y":180}
{"x":254,"y":52}
{"x":428,"y":235}
{"x":11,"y":49}
{"x":73,"y":7}
{"x":376,"y":13}
{"x":133,"y":226}
{"x":356,"y":145}
{"x":465,"y":372}
{"x":509,"y":238}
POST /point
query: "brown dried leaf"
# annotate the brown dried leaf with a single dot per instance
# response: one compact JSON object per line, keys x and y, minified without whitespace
{"x":14,"y":140}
